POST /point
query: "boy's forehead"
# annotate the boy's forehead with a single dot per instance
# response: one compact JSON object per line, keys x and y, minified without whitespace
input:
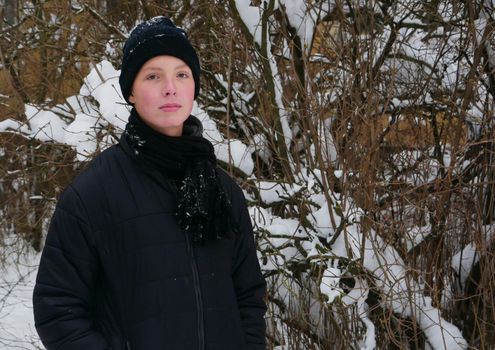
{"x":162,"y":62}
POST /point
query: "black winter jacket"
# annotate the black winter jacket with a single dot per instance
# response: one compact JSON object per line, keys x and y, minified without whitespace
{"x":117,"y":271}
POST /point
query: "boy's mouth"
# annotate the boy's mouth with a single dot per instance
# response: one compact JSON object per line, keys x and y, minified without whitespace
{"x":170,"y":107}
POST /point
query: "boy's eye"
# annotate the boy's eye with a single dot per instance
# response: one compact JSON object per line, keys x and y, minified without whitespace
{"x":182,"y":75}
{"x":152,"y":77}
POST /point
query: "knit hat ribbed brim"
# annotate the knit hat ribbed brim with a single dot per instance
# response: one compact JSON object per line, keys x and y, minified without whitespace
{"x":155,"y":37}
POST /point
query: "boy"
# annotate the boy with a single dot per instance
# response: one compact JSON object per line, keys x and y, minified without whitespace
{"x":151,"y":247}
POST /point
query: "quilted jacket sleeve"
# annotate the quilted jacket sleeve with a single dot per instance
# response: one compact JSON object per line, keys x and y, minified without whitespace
{"x":249,"y":282}
{"x":63,"y":294}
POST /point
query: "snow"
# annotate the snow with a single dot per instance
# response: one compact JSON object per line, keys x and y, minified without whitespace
{"x":272,"y":192}
{"x":45,"y":125}
{"x":14,"y":126}
{"x":78,"y":121}
{"x":329,"y":285}
{"x":416,"y":235}
{"x":463,"y":261}
{"x":230,"y":151}
{"x":283,"y":113}
{"x":357,"y":296}
{"x":303,"y":19}
{"x":439,"y":333}
{"x":17,"y":278}
{"x":102,"y":83}
{"x":481,"y":25}
{"x":332,"y":233}
{"x":81,"y":134}
{"x":403,"y":293}
{"x":260,"y":145}
{"x":321,"y":217}
{"x":287,"y":227}
{"x":251,"y":17}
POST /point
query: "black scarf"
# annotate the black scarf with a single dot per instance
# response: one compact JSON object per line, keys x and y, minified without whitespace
{"x":203,"y":208}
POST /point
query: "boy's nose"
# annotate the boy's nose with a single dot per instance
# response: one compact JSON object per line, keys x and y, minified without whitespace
{"x":168,"y":88}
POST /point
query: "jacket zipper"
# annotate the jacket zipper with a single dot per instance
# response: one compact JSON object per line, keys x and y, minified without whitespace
{"x":197,"y":291}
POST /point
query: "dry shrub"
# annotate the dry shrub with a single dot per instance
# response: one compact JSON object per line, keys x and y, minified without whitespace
{"x":408,"y":166}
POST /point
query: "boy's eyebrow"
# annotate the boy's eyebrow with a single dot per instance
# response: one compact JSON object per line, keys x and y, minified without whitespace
{"x":182,"y":66}
{"x":152,"y":68}
{"x":160,"y":68}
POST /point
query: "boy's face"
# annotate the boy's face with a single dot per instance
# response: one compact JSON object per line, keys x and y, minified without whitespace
{"x":163,"y":94}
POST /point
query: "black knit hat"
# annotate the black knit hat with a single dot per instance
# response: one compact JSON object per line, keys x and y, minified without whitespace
{"x":155,"y":37}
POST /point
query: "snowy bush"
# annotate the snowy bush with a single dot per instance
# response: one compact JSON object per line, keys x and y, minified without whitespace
{"x":362,"y":135}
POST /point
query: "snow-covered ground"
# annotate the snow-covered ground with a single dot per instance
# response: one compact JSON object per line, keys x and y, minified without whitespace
{"x":17,"y":279}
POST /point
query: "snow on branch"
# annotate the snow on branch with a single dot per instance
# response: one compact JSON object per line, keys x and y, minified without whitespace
{"x":93,"y":120}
